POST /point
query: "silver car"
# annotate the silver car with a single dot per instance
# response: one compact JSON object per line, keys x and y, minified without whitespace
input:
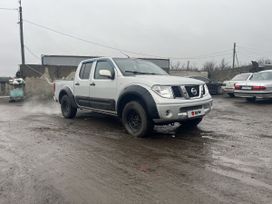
{"x":258,"y":87}
{"x":228,"y":86}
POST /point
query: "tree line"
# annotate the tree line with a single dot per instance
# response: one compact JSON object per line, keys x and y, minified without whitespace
{"x":212,"y":66}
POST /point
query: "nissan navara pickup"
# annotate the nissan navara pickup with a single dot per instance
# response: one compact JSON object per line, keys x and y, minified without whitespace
{"x":139,"y":92}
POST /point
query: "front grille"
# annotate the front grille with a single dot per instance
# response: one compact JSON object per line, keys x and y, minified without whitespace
{"x":193,"y":91}
{"x":177,"y":91}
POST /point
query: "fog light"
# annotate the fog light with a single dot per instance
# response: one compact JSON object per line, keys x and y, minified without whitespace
{"x":207,"y":105}
{"x":168,"y":114}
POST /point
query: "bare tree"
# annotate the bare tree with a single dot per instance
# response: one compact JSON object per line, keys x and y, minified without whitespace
{"x":268,"y":61}
{"x":223,"y":65}
{"x":264,"y":61}
{"x":177,"y":66}
{"x":209,"y":66}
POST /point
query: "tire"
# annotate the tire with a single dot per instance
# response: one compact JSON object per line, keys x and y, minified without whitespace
{"x":11,"y":100}
{"x":136,"y":120}
{"x":251,"y":100}
{"x":68,"y":111}
{"x":191,"y":123}
{"x":231,"y":95}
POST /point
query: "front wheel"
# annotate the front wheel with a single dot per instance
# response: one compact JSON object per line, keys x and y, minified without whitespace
{"x":136,"y":120}
{"x":191,"y":123}
{"x":68,"y":111}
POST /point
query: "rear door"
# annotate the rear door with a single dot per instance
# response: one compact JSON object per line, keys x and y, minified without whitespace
{"x":103,"y":90}
{"x":82,"y":85}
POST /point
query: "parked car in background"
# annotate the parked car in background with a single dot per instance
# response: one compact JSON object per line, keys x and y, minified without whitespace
{"x":213,"y":86}
{"x":229,"y":86}
{"x":258,"y":87}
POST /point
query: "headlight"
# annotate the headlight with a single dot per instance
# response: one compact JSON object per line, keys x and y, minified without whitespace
{"x":206,"y":89}
{"x":163,"y":91}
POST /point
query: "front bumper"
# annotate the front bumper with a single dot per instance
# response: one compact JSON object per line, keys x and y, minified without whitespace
{"x":227,"y":90}
{"x":259,"y":95}
{"x":178,"y":112}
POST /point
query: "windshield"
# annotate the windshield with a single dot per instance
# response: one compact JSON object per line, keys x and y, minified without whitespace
{"x":136,"y":66}
{"x":241,"y":77}
{"x":262,"y":76}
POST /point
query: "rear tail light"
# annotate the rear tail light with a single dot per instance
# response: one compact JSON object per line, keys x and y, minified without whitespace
{"x":237,"y":87}
{"x":258,"y":88}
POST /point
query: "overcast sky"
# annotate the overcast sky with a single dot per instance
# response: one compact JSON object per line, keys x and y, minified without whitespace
{"x":200,"y":29}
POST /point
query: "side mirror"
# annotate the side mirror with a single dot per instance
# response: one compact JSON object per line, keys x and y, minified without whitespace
{"x":106,"y":73}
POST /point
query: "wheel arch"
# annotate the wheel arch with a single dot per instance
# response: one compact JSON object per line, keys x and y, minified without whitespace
{"x":138,"y":93}
{"x":68,"y":92}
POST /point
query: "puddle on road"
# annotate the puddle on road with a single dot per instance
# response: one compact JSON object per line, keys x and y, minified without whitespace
{"x":179,"y":132}
{"x":240,"y":176}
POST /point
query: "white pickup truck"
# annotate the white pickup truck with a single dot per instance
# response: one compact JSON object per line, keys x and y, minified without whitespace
{"x":139,"y":92}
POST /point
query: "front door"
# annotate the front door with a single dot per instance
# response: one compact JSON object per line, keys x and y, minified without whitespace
{"x":103,"y":90}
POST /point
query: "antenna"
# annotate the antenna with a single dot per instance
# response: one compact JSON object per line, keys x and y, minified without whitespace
{"x":125,"y":54}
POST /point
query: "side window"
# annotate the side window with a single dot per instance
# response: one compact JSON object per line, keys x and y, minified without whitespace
{"x":103,"y":65}
{"x":85,"y":70}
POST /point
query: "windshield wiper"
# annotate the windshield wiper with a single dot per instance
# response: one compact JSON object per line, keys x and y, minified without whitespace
{"x":136,"y":72}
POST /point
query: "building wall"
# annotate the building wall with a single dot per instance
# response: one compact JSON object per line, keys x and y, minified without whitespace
{"x":54,"y":72}
{"x":62,"y":60}
{"x":4,"y":86}
{"x":4,"y":89}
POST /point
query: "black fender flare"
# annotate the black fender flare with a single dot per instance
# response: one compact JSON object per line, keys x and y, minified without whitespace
{"x":140,"y":92}
{"x":68,"y":92}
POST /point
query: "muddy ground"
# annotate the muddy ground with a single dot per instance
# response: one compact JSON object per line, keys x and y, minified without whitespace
{"x":45,"y":158}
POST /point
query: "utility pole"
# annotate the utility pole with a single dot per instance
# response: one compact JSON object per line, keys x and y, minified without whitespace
{"x":234,"y":55}
{"x":21,"y":32}
{"x":188,"y":64}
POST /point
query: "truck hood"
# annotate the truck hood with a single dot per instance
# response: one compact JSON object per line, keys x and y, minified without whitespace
{"x":151,"y":80}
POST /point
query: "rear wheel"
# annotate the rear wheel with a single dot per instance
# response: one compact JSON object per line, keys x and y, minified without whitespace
{"x":191,"y":123}
{"x":68,"y":111}
{"x":136,"y":120}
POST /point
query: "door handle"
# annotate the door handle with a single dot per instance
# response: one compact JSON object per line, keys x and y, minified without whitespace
{"x":77,"y":84}
{"x":92,"y":84}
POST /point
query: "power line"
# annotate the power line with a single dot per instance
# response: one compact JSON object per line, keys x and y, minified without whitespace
{"x":88,"y":41}
{"x":214,"y":54}
{"x":9,"y":9}
{"x":31,"y":52}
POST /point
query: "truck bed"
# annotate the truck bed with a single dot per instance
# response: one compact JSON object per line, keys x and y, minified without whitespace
{"x":60,"y":84}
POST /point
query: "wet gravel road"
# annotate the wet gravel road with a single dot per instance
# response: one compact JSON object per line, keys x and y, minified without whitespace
{"x":45,"y":158}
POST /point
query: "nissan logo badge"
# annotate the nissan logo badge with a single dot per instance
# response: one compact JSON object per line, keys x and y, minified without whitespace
{"x":194,"y":91}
